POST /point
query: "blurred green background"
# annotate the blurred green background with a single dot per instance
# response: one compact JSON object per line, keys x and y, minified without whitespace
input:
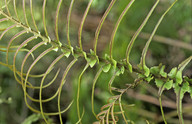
{"x":171,"y":45}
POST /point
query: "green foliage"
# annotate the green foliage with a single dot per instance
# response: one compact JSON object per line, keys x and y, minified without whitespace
{"x":31,"y":119}
{"x":30,"y":44}
{"x":172,"y":73}
{"x":169,"y":84}
{"x":159,"y":83}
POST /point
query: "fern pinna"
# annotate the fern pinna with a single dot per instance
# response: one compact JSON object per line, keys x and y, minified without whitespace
{"x":24,"y":56}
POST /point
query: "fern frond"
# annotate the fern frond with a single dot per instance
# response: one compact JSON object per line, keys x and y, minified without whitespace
{"x":82,"y":23}
{"x":101,"y":24}
{"x":32,"y":15}
{"x":28,"y":47}
{"x":78,"y":90}
{"x":108,"y":109}
{"x":6,"y":5}
{"x":8,"y":29}
{"x":117,"y":25}
{"x":44,"y":20}
{"x":56,"y":19}
{"x":15,"y":10}
{"x":10,"y":42}
{"x":25,"y":16}
{"x":129,"y":47}
{"x":68,"y":22}
{"x":93,"y":89}
{"x":142,"y":62}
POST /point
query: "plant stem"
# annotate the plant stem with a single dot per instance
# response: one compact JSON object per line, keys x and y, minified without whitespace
{"x":160,"y":103}
{"x":162,"y":112}
{"x":179,"y":107}
{"x":82,"y":23}
{"x":78,"y":92}
{"x":93,"y":89}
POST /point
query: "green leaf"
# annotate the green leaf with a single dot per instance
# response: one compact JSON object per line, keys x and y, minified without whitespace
{"x":32,"y":118}
{"x":130,"y":67}
{"x":106,"y":68}
{"x":91,"y":58}
{"x":172,"y":73}
{"x":169,"y":84}
{"x":55,"y":49}
{"x":190,"y":91}
{"x":107,"y":57}
{"x":141,"y":76}
{"x":78,"y":52}
{"x":145,"y":69}
{"x":149,"y":78}
{"x":55,"y":43}
{"x":67,"y":50}
{"x":162,"y":73}
{"x":159,"y":83}
{"x":114,"y":63}
{"x":92,"y":52}
{"x":185,"y":87}
{"x":184,"y":63}
{"x":155,"y":70}
{"x":176,"y":88}
{"x":120,"y":71}
{"x":92,"y":62}
{"x":84,"y":54}
{"x":179,"y":78}
{"x":67,"y":54}
{"x":188,"y":79}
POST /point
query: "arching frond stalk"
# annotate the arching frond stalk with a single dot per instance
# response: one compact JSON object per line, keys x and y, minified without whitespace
{"x":117,"y":26}
{"x":6,"y":5}
{"x":93,"y":90}
{"x":101,"y":24}
{"x":62,"y":83}
{"x":5,"y":31}
{"x":142,"y":61}
{"x":129,"y":47}
{"x":10,"y":42}
{"x":82,"y":23}
{"x":25,"y":16}
{"x":56,"y":19}
{"x":14,"y":59}
{"x":15,"y":10}
{"x":44,"y":20}
{"x":68,"y":22}
{"x":78,"y":90}
{"x":32,"y":16}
